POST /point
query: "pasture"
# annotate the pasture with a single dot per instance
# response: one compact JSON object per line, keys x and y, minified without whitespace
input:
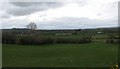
{"x":95,"y":54}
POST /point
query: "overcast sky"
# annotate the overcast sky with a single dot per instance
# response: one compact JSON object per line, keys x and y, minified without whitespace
{"x":60,"y":15}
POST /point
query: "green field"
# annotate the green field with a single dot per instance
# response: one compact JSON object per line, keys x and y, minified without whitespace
{"x":96,"y":54}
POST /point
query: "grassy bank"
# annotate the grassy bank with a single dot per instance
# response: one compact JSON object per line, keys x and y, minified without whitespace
{"x":95,"y":54}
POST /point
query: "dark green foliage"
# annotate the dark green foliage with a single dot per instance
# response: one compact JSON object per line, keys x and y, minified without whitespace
{"x":48,"y":40}
{"x":113,"y":39}
{"x":34,"y":40}
{"x":8,"y":38}
{"x":73,"y":36}
{"x":25,"y":39}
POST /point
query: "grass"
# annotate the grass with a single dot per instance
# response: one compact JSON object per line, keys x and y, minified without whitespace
{"x":95,"y":54}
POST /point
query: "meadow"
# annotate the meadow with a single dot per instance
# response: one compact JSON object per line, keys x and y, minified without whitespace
{"x":60,"y":48}
{"x":95,"y":54}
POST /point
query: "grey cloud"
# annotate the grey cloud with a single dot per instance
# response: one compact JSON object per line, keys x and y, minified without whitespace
{"x":5,"y":16}
{"x":119,"y":13}
{"x":76,"y":23}
{"x":65,"y":23}
{"x":22,"y":11}
{"x":27,"y":4}
{"x":25,"y":8}
{"x":24,"y":4}
{"x":75,"y":20}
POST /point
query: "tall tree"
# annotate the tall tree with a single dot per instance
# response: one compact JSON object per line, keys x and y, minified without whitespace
{"x":32,"y":26}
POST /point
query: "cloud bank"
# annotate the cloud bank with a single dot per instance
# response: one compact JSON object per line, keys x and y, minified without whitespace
{"x":60,"y":15}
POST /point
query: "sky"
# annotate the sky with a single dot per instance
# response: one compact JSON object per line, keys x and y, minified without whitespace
{"x":60,"y":15}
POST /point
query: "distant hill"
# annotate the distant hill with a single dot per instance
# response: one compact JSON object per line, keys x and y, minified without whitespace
{"x":24,"y":30}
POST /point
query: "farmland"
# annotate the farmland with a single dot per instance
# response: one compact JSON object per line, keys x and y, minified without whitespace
{"x":96,"y":54}
{"x":60,"y":48}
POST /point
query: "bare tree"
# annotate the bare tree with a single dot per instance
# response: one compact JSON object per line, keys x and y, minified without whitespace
{"x":32,"y":26}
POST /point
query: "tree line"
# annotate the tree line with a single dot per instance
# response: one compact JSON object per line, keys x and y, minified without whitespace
{"x":10,"y":38}
{"x":32,"y":38}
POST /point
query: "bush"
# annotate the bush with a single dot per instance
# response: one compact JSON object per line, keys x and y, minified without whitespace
{"x":34,"y":40}
{"x":73,"y":40}
{"x":26,"y":40}
{"x":113,"y":39}
{"x":8,"y":38}
{"x":43,"y":40}
{"x":39,"y":39}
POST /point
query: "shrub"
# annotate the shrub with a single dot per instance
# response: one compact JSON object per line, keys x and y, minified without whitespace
{"x":40,"y":39}
{"x":8,"y":38}
{"x":73,"y":40}
{"x":34,"y":40}
{"x":113,"y":39}
{"x":26,"y":40}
